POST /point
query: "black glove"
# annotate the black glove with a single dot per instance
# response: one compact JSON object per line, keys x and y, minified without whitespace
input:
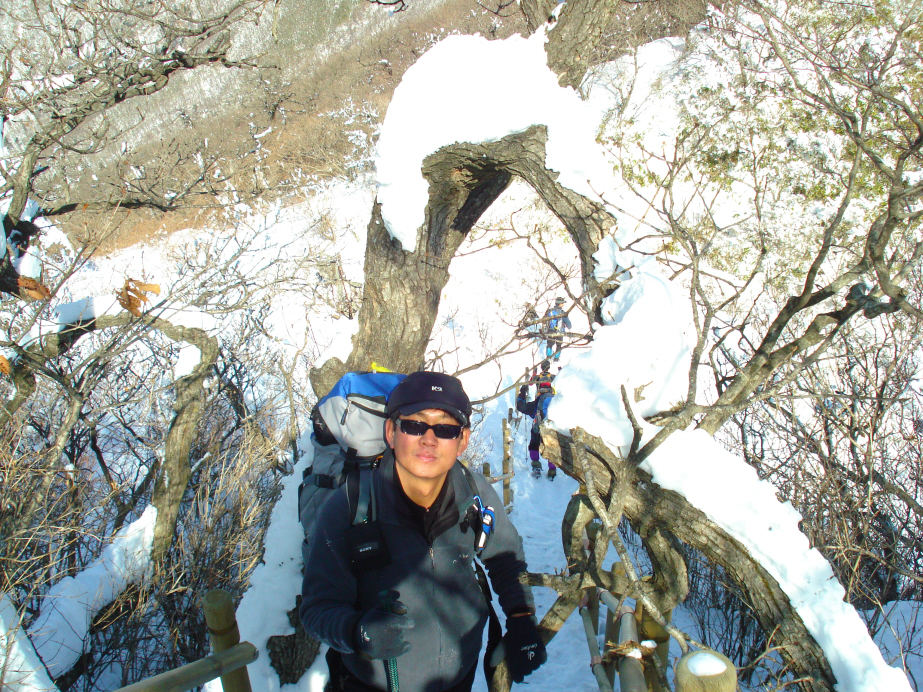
{"x":380,"y":632}
{"x":523,"y":391}
{"x":523,"y":646}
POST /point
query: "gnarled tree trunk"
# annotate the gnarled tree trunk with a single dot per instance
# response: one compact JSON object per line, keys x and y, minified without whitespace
{"x":403,"y":289}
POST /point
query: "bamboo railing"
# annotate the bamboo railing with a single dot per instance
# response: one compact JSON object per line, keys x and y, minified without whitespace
{"x":229,"y":662}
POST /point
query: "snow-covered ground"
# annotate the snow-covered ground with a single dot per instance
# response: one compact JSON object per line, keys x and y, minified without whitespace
{"x":636,"y":346}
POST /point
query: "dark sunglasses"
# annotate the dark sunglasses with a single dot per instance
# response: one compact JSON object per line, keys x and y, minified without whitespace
{"x":443,"y":431}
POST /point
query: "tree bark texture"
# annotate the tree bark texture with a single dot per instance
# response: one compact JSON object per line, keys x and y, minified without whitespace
{"x":589,"y":32}
{"x":656,"y":512}
{"x":290,"y":655}
{"x":188,"y":405}
{"x":402,"y":290}
{"x":586,"y":221}
{"x":576,"y":38}
{"x":536,"y":12}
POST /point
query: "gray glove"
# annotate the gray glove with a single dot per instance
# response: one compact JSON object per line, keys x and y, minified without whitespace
{"x":380,"y":632}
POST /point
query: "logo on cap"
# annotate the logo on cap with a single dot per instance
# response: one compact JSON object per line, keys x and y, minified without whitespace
{"x":437,"y":389}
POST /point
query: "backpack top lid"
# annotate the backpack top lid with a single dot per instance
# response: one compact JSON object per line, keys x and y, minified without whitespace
{"x":353,"y":413}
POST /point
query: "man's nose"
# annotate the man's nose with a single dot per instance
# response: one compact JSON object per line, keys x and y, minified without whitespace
{"x":429,"y":437}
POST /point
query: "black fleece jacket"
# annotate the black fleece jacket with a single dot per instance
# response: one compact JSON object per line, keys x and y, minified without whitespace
{"x":432,"y":570}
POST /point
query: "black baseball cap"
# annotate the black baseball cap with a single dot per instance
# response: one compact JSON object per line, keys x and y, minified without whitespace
{"x":422,"y":390}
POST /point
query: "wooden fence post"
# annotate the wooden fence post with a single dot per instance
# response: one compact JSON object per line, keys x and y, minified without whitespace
{"x":649,"y":628}
{"x":705,"y":671}
{"x":222,"y":628}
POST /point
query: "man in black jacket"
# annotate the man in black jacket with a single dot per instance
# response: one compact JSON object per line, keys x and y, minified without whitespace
{"x":418,"y":602}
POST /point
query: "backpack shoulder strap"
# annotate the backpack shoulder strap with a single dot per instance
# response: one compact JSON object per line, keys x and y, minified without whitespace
{"x":494,"y":629}
{"x":360,"y":494}
{"x":367,"y":545}
{"x":466,"y":472}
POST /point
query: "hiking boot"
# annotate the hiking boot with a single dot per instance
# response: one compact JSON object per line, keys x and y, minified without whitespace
{"x":552,"y":472}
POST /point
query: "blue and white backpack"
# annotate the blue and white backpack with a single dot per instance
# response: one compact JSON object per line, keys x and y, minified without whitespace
{"x":349,"y":425}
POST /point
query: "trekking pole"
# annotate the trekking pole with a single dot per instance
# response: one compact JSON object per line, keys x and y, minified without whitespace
{"x":391,"y":663}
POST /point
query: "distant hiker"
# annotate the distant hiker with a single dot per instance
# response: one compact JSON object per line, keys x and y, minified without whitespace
{"x":390,"y":575}
{"x":556,"y":324}
{"x":544,"y":374}
{"x":538,"y":410}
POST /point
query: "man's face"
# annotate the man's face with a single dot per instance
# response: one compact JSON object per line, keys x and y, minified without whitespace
{"x":426,"y":456}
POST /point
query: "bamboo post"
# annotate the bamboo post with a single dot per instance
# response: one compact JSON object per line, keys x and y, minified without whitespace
{"x":705,"y":671}
{"x":592,"y":529}
{"x":589,"y":628}
{"x":612,"y":623}
{"x":199,"y":672}
{"x":611,"y":634}
{"x":649,"y":628}
{"x":222,"y":628}
{"x":631,"y":670}
{"x":507,"y":463}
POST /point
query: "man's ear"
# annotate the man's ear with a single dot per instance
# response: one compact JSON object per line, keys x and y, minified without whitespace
{"x":465,"y":436}
{"x":389,"y":432}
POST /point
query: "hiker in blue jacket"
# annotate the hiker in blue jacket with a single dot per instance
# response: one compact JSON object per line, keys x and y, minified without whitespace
{"x":556,"y":325}
{"x":538,"y":410}
{"x":417,"y":600}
